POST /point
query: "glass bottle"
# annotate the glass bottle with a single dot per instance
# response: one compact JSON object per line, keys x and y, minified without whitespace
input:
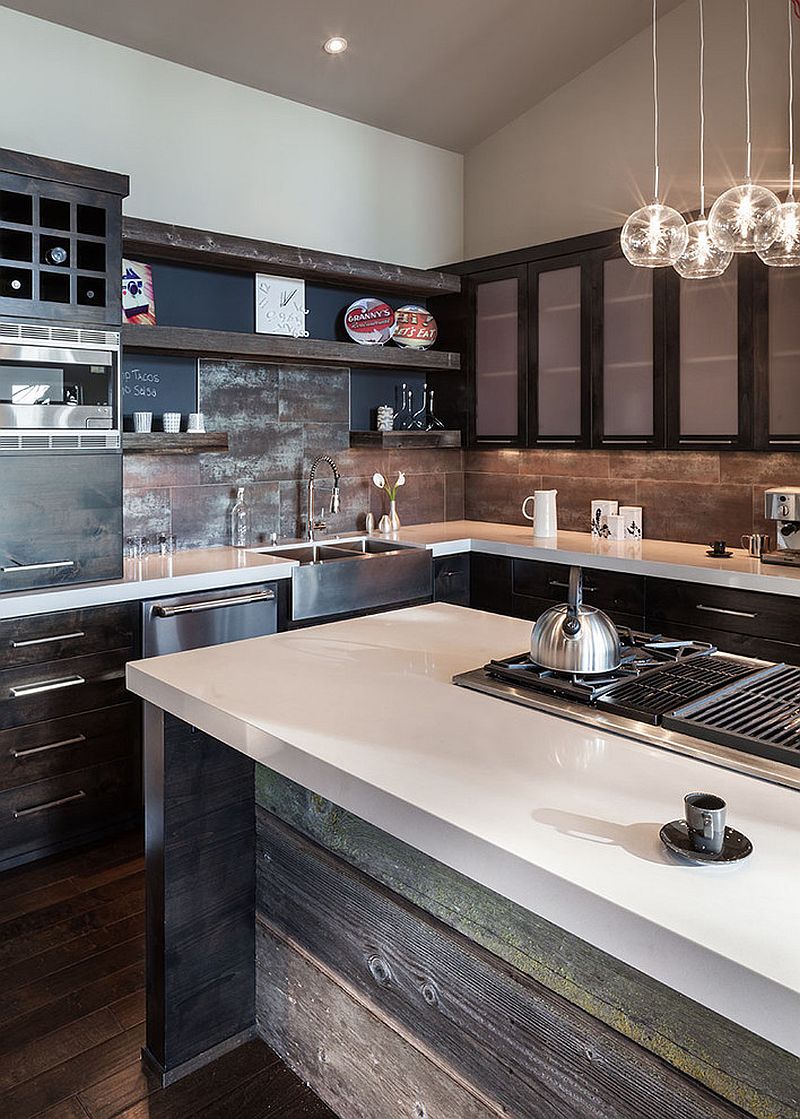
{"x":433,"y":423}
{"x":240,"y":521}
{"x":402,"y":417}
{"x":418,"y":418}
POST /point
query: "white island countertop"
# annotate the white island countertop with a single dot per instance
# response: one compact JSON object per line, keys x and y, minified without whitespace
{"x":559,"y":817}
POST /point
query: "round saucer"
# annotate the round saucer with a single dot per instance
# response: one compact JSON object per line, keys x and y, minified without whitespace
{"x":718,"y":555}
{"x":675,"y":836}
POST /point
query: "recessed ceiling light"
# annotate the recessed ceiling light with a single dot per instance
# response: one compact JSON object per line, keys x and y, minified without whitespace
{"x":335,"y":45}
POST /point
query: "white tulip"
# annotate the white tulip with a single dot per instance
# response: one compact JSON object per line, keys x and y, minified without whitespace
{"x":401,"y":479}
{"x":379,"y":480}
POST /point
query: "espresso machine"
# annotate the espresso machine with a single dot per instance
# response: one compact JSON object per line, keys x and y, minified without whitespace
{"x":783,"y":507}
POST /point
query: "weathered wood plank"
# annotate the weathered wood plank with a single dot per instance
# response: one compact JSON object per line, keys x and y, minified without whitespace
{"x":349,"y":1055}
{"x":268,"y":347}
{"x":182,"y":443}
{"x":55,"y":170}
{"x":737,"y":1065}
{"x":413,"y":440}
{"x":520,"y":1045}
{"x":224,"y":250}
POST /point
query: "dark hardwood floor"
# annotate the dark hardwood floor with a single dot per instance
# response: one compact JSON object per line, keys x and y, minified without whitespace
{"x":72,"y":1005}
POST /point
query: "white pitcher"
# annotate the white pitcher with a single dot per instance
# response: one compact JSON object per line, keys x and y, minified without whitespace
{"x":545,"y":518}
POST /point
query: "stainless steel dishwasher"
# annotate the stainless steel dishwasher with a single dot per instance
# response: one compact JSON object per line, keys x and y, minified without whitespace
{"x":192,"y":621}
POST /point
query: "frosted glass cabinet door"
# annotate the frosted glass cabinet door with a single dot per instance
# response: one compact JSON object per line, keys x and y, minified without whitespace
{"x":628,"y":374}
{"x":559,"y":355}
{"x":784,"y":355}
{"x":499,"y":359}
{"x":708,"y":382}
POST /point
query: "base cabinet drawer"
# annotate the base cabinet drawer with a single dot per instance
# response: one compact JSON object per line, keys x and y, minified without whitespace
{"x":672,"y":604}
{"x":59,"y":746}
{"x":490,"y":583}
{"x":451,"y":579}
{"x":68,"y":633}
{"x":612,"y":591}
{"x":39,"y":692}
{"x":45,"y":814}
{"x":525,"y":606}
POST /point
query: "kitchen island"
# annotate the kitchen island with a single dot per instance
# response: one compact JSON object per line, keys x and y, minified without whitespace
{"x":390,"y":804}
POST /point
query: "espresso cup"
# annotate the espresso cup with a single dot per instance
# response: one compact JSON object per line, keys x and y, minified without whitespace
{"x":718,"y":547}
{"x":705,"y":820}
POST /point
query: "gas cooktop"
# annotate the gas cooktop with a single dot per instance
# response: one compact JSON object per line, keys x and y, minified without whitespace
{"x":667,"y":691}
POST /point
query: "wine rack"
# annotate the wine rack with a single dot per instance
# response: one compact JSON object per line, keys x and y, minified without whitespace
{"x":60,"y":244}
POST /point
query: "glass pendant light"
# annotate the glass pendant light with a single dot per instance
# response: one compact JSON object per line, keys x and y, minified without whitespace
{"x":656,"y":235}
{"x":745,"y":218}
{"x":784,"y":252}
{"x":701,"y":259}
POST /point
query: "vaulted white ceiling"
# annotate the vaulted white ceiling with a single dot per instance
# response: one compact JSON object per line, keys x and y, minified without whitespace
{"x":449,"y":72}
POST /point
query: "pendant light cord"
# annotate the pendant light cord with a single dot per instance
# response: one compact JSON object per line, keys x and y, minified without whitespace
{"x":702,"y":114}
{"x":747,"y":90}
{"x":795,"y":5}
{"x":655,"y":102}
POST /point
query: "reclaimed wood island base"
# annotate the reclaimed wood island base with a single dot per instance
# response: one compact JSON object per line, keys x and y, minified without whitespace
{"x":391,"y":982}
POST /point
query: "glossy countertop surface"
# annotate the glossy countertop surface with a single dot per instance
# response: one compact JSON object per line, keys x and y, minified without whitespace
{"x":559,"y":817}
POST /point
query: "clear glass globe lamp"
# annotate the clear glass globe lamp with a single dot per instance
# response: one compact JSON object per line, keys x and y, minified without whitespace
{"x":701,"y":259}
{"x":744,"y":219}
{"x":784,"y":252}
{"x":654,"y":236}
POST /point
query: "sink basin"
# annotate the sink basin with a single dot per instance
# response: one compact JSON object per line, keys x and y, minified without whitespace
{"x":380,"y":573}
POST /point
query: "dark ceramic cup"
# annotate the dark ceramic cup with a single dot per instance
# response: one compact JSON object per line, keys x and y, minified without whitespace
{"x":705,"y":819}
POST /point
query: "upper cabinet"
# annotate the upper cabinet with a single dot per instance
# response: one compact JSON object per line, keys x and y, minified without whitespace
{"x":500,"y":300}
{"x":571,"y":346}
{"x":559,"y":385}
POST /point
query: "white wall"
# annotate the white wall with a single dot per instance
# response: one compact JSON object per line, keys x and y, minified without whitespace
{"x":205,"y":152}
{"x":581,"y":160}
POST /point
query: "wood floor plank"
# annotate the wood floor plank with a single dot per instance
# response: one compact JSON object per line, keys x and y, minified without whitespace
{"x":13,"y":951}
{"x":33,"y":1096}
{"x":82,"y":860}
{"x":37,"y":899}
{"x":72,"y":952}
{"x":71,"y":907}
{"x":67,"y":1109}
{"x":91,"y":879}
{"x":27,"y":1027}
{"x":44,"y":1053}
{"x":50,"y":988}
{"x":132,"y":1092}
{"x":130,"y":1010}
{"x":275,"y":1093}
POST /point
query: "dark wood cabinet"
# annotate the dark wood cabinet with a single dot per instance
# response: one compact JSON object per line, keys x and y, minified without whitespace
{"x":451,"y":579}
{"x":596,"y":353}
{"x":60,"y":240}
{"x":490,"y":583}
{"x":69,"y":729}
{"x":60,"y":519}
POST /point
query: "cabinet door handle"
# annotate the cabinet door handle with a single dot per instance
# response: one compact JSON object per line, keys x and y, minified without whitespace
{"x":560,"y":583}
{"x":722,"y":610}
{"x":47,"y":640}
{"x":23,"y":690}
{"x":212,"y":604}
{"x":36,"y":566}
{"x":20,"y":812}
{"x":49,"y":746}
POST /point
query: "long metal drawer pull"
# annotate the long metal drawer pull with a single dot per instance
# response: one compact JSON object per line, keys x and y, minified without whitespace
{"x":47,"y":640}
{"x":24,"y":690}
{"x":50,"y":804}
{"x":212,"y":604}
{"x":722,"y":610}
{"x":36,"y":566}
{"x":559,"y":583}
{"x":49,"y":746}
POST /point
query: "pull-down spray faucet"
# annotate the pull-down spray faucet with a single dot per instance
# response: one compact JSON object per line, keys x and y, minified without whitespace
{"x":313,"y":524}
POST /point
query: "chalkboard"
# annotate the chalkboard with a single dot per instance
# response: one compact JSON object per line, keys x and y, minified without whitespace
{"x":371,"y":387}
{"x":158,"y":384}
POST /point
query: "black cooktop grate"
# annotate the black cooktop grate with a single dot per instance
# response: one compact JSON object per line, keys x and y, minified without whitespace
{"x":760,"y":715}
{"x":653,"y":694}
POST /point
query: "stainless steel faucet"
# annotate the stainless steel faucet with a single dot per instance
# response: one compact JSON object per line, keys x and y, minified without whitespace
{"x":313,"y":523}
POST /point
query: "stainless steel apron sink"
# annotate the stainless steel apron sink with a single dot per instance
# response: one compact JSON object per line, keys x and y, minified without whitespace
{"x":350,"y":576}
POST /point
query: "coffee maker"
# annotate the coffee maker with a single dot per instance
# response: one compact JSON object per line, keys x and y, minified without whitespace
{"x":783,"y":506}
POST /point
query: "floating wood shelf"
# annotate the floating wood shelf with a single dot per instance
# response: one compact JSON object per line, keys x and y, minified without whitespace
{"x":152,"y":239}
{"x":416,"y":439}
{"x":178,"y":443}
{"x":197,"y":342}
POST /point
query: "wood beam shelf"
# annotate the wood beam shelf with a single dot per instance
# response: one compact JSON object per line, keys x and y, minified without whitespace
{"x":223,"y":250}
{"x":412,"y":439}
{"x":196,"y":342}
{"x":177,"y":443}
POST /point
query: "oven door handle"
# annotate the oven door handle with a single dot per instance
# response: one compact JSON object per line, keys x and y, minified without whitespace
{"x":212,"y":604}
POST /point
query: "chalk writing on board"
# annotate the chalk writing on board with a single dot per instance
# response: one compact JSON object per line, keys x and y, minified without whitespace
{"x":140,"y":382}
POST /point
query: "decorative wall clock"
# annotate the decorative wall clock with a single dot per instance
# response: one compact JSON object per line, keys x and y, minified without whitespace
{"x":281,"y":306}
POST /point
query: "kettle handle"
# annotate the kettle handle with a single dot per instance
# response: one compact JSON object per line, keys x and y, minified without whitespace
{"x":572,"y":621}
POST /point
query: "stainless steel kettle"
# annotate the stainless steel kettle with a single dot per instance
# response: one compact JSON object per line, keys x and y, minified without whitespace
{"x":574,"y":637}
